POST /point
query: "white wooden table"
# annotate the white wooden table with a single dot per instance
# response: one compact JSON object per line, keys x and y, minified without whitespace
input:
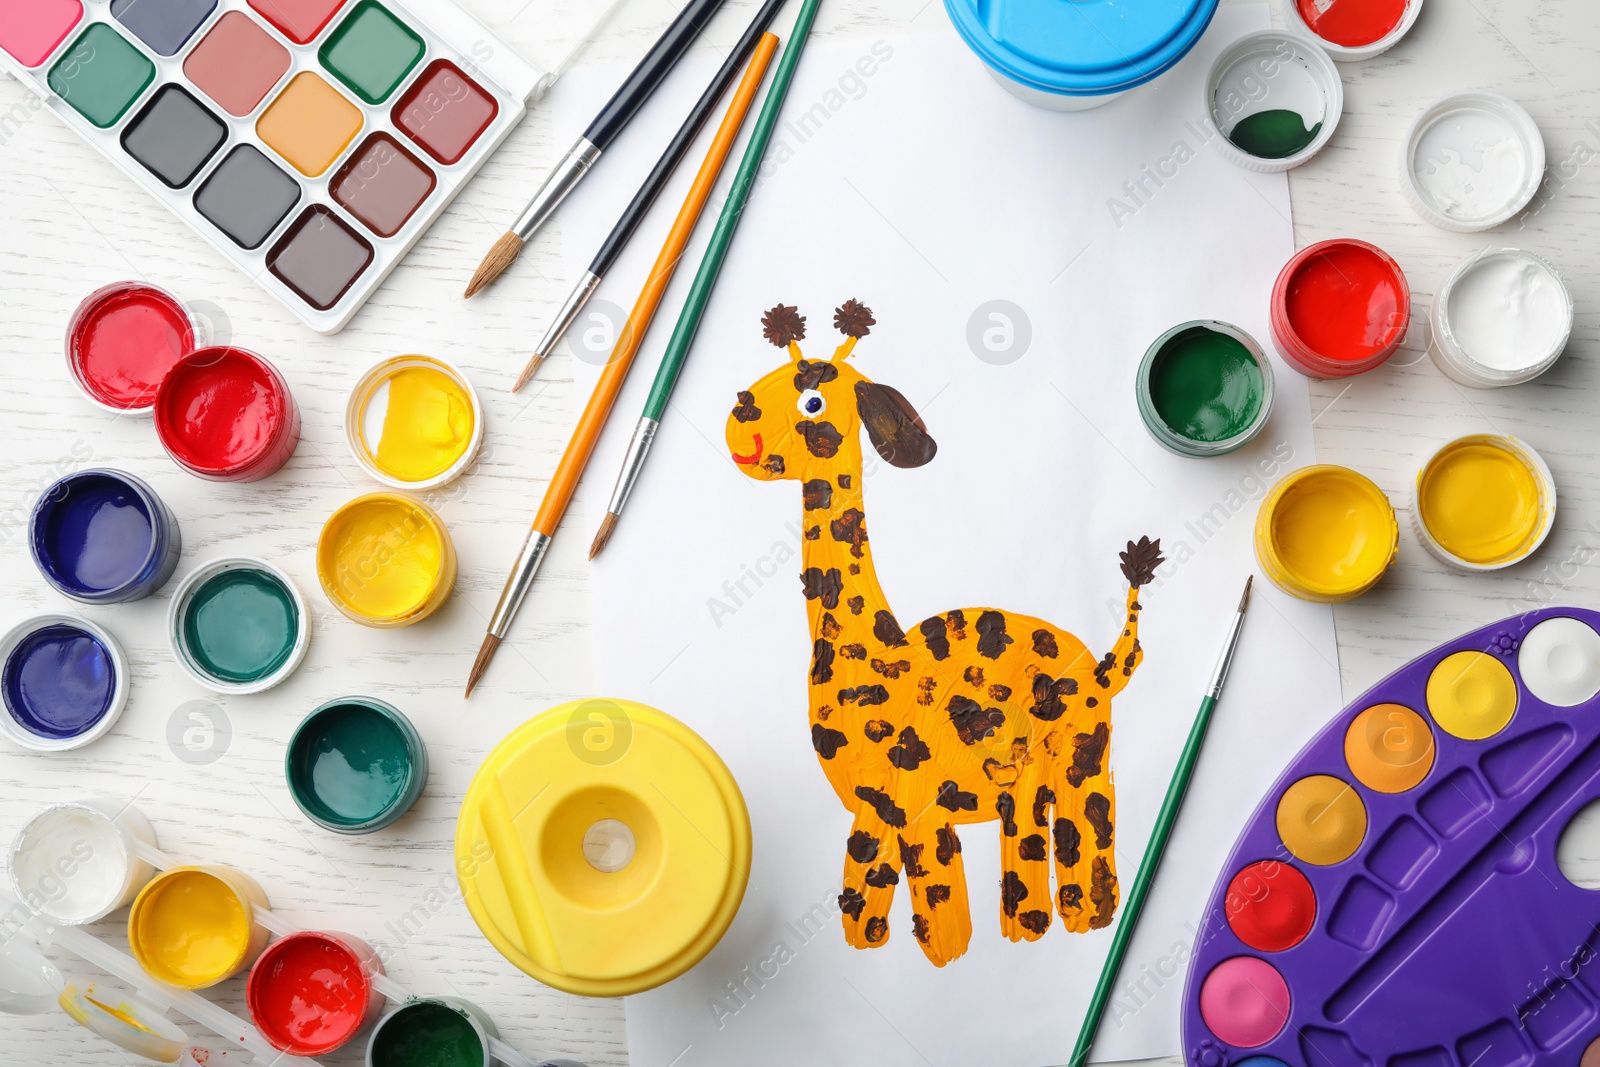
{"x":69,"y":223}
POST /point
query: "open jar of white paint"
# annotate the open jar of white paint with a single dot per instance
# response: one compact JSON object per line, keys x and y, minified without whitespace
{"x":78,"y":862}
{"x":1503,"y":316}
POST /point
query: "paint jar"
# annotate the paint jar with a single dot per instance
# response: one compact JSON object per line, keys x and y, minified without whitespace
{"x":193,"y":927}
{"x":227,"y":415}
{"x":238,"y":625}
{"x":1326,"y":533}
{"x":432,"y":1032}
{"x":413,"y":422}
{"x":1483,"y":502}
{"x":1353,"y":30}
{"x":1339,"y":308}
{"x":1204,"y":388}
{"x":355,"y":765}
{"x":122,"y":340}
{"x":1503,"y":316}
{"x":385,"y":560}
{"x":1080,"y":55}
{"x":1472,"y":161}
{"x":76,"y":863}
{"x":103,"y":537}
{"x":603,"y":847}
{"x":64,"y":681}
{"x":1276,"y":98}
{"x":312,"y":992}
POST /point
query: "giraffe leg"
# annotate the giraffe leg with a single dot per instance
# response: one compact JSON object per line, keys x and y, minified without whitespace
{"x":1083,"y":839}
{"x":1024,"y":857}
{"x":871,"y":871}
{"x":930,"y":856}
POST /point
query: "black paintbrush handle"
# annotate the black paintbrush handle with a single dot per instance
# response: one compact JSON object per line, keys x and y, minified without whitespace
{"x":639,"y":207}
{"x":656,"y":65}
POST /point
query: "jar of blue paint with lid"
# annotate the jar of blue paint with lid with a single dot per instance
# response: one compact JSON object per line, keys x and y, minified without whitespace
{"x":103,"y":537}
{"x":1072,"y":55}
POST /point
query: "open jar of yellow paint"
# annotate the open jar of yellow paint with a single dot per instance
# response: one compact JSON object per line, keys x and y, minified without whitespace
{"x":1483,"y":502}
{"x":193,"y":927}
{"x":1326,"y":533}
{"x":413,"y":422}
{"x":386,"y":560}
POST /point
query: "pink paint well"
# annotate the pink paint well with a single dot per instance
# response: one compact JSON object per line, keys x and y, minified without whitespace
{"x":31,"y":29}
{"x":1245,"y":1001}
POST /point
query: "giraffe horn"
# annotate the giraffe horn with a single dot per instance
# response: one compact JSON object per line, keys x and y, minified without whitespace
{"x":846,"y":350}
{"x":795,"y":355}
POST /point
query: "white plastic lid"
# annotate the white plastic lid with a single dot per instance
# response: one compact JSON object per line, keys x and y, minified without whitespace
{"x":1472,"y":161}
{"x":1276,"y":99}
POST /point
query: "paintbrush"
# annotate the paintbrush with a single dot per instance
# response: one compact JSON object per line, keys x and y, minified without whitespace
{"x":565,"y":480}
{"x":1165,"y":820}
{"x":602,"y":130}
{"x":646,"y":196}
{"x":694,"y":307}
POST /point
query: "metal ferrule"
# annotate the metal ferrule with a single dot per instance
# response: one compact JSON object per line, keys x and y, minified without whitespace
{"x":644,"y":435}
{"x":567,"y":315}
{"x":573,"y":166}
{"x":1225,"y":661}
{"x":521,"y":580}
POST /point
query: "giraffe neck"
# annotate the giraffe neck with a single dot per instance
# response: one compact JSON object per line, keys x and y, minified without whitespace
{"x":834,"y":529}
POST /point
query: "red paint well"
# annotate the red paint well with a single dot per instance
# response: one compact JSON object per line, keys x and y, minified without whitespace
{"x":1339,"y":308}
{"x":1271,"y":906}
{"x":1352,"y":23}
{"x":123,"y":339}
{"x":227,"y":415}
{"x":309,"y":993}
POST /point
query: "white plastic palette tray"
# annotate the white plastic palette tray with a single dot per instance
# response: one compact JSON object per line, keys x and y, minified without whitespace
{"x":98,"y":65}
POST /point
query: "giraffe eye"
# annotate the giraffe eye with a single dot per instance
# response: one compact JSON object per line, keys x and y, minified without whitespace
{"x":811,"y":403}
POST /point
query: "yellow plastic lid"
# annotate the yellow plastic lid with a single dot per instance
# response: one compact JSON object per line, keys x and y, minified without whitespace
{"x":603,"y":847}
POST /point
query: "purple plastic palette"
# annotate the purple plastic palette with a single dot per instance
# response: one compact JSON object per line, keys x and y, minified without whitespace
{"x":312,"y":142}
{"x":1395,"y":901}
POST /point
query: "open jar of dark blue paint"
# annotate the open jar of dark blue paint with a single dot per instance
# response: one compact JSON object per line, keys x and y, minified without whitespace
{"x":103,"y":537}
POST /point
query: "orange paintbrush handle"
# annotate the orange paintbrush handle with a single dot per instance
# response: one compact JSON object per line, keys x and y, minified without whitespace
{"x":565,"y":481}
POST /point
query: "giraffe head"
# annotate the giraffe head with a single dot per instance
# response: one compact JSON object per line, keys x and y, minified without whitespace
{"x":803,"y":420}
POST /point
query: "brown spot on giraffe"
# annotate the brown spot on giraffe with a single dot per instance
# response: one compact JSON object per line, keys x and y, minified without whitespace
{"x":881,"y":876}
{"x":934,"y":637}
{"x":862,"y":847}
{"x":852,"y":903}
{"x":1012,"y":893}
{"x":1032,"y":847}
{"x":958,"y":624}
{"x":1048,"y":694}
{"x":999,"y":693}
{"x":844,"y":481}
{"x":1043,"y":797}
{"x":826,"y":741}
{"x":973,"y":721}
{"x":920,"y":927}
{"x":1005,"y":805}
{"x":809,"y":374}
{"x":821,"y":661}
{"x":1034,"y":921}
{"x":773,"y":464}
{"x":816,"y":494}
{"x":745,"y":410}
{"x":936,"y":895}
{"x":925,"y":687}
{"x":822,"y":438}
{"x":973,"y":676}
{"x":911,"y":859}
{"x":992,"y":636}
{"x":822,"y":585}
{"x":909,"y":751}
{"x":1044,"y":644}
{"x":830,"y":626}
{"x":952,"y":796}
{"x":876,"y":930}
{"x":850,"y":528}
{"x":1070,"y":897}
{"x":853,"y":651}
{"x":890,"y":670}
{"x":947,"y":845}
{"x":1068,"y":842}
{"x":856,"y":604}
{"x":883,"y":804}
{"x":1097,"y":810}
{"x":1102,"y":893}
{"x":813,"y":532}
{"x":887,"y":629}
{"x":877,"y":729}
{"x":1088,"y":755}
{"x":865,"y":695}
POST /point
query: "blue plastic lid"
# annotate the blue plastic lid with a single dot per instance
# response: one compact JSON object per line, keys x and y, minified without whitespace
{"x":1081,"y":47}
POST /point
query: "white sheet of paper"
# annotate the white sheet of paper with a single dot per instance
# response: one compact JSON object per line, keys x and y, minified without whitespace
{"x":926,"y":191}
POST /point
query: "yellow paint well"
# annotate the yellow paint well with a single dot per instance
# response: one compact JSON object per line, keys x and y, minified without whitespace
{"x":1326,"y":533}
{"x":386,"y":560}
{"x":427,"y":424}
{"x":1482,"y":501}
{"x":1321,"y":820}
{"x":1389,"y":748}
{"x":1472,"y":695}
{"x":189,"y":928}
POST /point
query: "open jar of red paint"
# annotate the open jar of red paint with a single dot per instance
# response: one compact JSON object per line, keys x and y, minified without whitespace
{"x":227,"y":415}
{"x":122,"y":340}
{"x":1339,"y":308}
{"x":311,"y":992}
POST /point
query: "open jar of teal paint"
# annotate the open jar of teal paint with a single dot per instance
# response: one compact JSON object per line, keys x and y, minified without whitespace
{"x":238,"y":625}
{"x":1204,"y":388}
{"x":355,"y":765}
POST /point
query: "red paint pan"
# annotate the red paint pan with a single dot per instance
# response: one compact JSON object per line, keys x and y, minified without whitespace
{"x":123,"y":339}
{"x":227,"y":415}
{"x":1339,"y":308}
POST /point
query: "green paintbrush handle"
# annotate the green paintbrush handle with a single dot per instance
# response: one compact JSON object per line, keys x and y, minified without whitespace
{"x":694,"y":308}
{"x":1145,"y":879}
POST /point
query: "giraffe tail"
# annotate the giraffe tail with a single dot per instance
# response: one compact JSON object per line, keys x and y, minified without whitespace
{"x":1139,"y":563}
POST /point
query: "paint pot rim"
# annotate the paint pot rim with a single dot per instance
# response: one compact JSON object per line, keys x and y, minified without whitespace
{"x":177,"y":613}
{"x":128,"y":822}
{"x":284,"y":424}
{"x":92,"y":306}
{"x":1452,"y":357}
{"x":405,"y":799}
{"x":355,"y":410}
{"x":1171,"y":439}
{"x":1300,"y":355}
{"x":1266,"y":542}
{"x":1521,"y":123}
{"x":119,"y":691}
{"x":163,"y":528}
{"x":1306,"y":47}
{"x":244,"y":888}
{"x":439,"y":588}
{"x":1520,"y":450}
{"x":1342,"y":53}
{"x":367,"y":964}
{"x":477,"y":1017}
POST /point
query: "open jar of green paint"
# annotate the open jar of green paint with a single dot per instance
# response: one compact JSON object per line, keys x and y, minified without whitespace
{"x":1204,"y":388}
{"x":355,"y":765}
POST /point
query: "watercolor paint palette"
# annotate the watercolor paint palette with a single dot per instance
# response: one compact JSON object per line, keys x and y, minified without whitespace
{"x":311,"y":142}
{"x":1396,"y":900}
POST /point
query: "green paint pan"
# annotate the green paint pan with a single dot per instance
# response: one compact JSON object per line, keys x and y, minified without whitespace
{"x":1275,"y":97}
{"x":355,"y":765}
{"x":238,"y":625}
{"x":1204,"y":388}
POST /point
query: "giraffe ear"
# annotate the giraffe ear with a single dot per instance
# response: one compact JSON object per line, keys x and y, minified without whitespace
{"x":893,"y":425}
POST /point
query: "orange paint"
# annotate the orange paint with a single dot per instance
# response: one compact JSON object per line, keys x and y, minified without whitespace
{"x":310,"y":124}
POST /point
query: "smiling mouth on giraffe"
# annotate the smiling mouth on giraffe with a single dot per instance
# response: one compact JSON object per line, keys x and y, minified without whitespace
{"x":753,"y":458}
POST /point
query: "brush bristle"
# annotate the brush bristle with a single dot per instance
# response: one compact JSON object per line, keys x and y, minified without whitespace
{"x":502,"y":255}
{"x":600,"y":539}
{"x":528,"y":372}
{"x":491,"y":643}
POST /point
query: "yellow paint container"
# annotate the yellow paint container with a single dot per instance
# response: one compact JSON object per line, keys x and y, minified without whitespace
{"x":413,"y":422}
{"x":193,"y":927}
{"x":603,"y":848}
{"x":1484,"y":502}
{"x":386,"y":559}
{"x":1326,"y":533}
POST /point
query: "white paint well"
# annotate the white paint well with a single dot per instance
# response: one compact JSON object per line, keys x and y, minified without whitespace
{"x":1560,"y":662}
{"x":1503,"y":316}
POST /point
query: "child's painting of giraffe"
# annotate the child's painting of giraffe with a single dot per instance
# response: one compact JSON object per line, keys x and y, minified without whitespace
{"x":972,"y":715}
